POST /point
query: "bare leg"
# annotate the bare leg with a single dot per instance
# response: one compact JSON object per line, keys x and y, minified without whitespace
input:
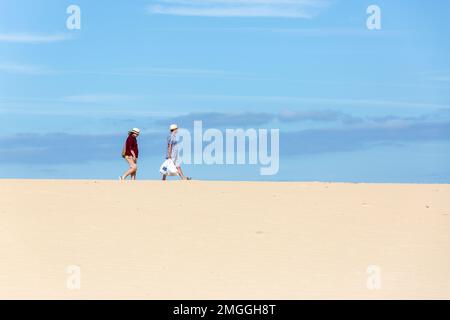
{"x":132,"y":169}
{"x":133,"y":175}
{"x":164,"y":177}
{"x":180,"y":173}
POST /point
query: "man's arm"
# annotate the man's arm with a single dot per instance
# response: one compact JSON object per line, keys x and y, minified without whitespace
{"x":169,"y":151}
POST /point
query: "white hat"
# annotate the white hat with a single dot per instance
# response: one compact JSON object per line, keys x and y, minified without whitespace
{"x":135,"y":130}
{"x":173,"y":127}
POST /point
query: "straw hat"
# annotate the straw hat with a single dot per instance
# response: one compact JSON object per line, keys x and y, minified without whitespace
{"x":173,"y":127}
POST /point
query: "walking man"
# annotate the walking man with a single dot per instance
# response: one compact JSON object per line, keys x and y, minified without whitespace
{"x":172,"y":151}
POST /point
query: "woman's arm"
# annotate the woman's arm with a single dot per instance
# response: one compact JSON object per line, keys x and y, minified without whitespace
{"x":133,"y":147}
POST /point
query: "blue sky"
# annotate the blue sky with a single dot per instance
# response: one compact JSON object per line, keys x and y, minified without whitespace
{"x":351,"y":104}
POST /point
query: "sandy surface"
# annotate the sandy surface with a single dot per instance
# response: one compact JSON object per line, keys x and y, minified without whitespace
{"x":223,"y":240}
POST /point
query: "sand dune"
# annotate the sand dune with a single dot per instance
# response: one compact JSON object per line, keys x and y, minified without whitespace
{"x":223,"y":240}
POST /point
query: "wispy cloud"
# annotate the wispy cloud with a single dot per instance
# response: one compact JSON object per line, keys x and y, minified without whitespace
{"x":23,"y":69}
{"x":170,"y":72}
{"x":257,"y":119}
{"x":295,"y":32}
{"x":444,"y":78}
{"x":98,"y":98}
{"x":32,"y":38}
{"x":59,"y":148}
{"x":73,"y":148}
{"x":312,"y":32}
{"x":326,"y":101}
{"x":156,"y":72}
{"x":306,"y":9}
{"x":328,"y":140}
{"x":435,"y":76}
{"x":221,"y":119}
{"x":326,"y":116}
{"x":319,"y":115}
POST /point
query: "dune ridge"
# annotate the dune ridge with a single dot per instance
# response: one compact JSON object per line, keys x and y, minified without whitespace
{"x":223,"y":240}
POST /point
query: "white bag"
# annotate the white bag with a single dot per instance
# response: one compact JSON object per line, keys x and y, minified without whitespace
{"x":168,"y":168}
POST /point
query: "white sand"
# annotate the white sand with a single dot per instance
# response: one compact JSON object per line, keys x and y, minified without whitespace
{"x":223,"y":240}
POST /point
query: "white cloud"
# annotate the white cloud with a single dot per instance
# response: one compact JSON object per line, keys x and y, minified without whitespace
{"x":239,"y":8}
{"x":33,"y":38}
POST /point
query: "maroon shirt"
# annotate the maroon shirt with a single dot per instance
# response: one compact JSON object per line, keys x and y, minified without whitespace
{"x":131,"y":144}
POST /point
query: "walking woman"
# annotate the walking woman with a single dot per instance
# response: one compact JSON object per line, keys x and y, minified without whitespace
{"x":131,"y":153}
